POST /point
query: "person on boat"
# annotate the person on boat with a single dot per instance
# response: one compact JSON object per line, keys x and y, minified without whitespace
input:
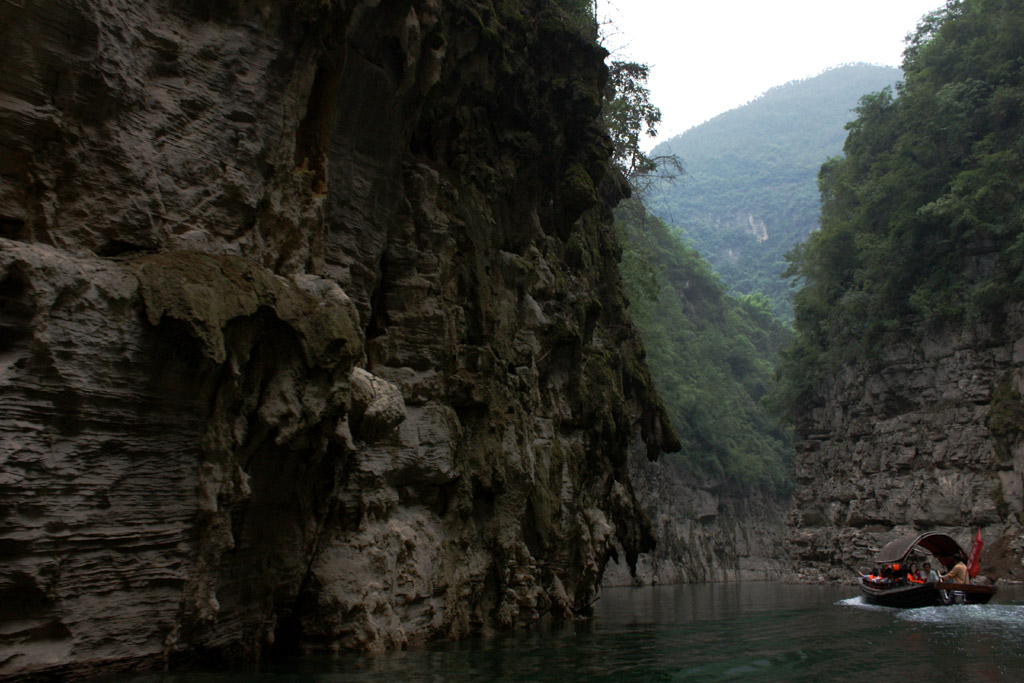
{"x":930,"y":575}
{"x":958,"y":574}
{"x":899,"y":574}
{"x":914,"y":576}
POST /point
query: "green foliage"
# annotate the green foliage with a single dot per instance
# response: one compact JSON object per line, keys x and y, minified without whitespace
{"x":921,"y":222}
{"x":750,"y":193}
{"x":628,"y":115}
{"x":1006,"y":412}
{"x":581,"y":14}
{"x":638,"y":265}
{"x":711,"y":355}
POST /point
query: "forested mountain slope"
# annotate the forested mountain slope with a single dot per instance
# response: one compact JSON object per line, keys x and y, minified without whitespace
{"x":907,"y":370}
{"x":749,"y":194}
{"x":712,"y":357}
{"x":711,"y":354}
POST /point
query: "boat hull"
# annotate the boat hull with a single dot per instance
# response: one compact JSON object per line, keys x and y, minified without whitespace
{"x":925,"y":594}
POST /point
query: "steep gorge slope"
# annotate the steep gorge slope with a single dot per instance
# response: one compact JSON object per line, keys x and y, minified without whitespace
{"x":750,"y":191}
{"x":907,"y":371}
{"x":718,"y":506}
{"x":927,"y":437}
{"x":311,"y":329}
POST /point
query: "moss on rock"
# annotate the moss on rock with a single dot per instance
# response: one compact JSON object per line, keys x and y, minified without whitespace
{"x":207,"y":291}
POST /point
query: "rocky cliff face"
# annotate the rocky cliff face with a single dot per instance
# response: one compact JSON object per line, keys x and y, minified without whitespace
{"x":926,"y":438}
{"x":705,"y":531}
{"x":310,"y":328}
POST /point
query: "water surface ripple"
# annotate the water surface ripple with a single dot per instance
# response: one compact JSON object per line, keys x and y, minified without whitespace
{"x":748,"y":632}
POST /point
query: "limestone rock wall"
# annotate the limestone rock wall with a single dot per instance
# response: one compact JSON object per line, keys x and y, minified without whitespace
{"x":311,"y":334}
{"x":926,"y":438}
{"x":704,"y":530}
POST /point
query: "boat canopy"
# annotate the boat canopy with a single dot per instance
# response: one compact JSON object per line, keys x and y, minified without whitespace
{"x":939,"y":545}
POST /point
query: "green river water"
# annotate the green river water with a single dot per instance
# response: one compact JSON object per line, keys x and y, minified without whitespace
{"x":722,"y":632}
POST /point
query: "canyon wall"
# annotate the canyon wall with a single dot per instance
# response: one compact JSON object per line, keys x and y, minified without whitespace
{"x":311,"y":332}
{"x":706,"y":530}
{"x":927,"y":437}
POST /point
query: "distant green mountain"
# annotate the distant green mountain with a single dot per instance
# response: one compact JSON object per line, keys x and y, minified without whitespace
{"x":712,"y":356}
{"x":750,"y":193}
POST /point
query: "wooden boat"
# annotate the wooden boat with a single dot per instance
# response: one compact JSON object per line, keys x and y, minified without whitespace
{"x":897,"y":591}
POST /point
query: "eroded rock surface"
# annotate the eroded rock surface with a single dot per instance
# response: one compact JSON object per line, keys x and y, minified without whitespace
{"x":705,"y":530}
{"x":926,"y":438}
{"x":311,"y":334}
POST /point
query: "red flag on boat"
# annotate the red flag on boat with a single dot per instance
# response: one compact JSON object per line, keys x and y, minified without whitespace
{"x":972,"y":563}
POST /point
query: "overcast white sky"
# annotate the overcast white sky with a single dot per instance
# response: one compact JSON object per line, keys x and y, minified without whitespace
{"x":710,"y":56}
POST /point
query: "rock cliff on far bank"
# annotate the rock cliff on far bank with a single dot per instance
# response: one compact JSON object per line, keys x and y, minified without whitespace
{"x":706,"y":530}
{"x":311,"y":328}
{"x":927,"y":437}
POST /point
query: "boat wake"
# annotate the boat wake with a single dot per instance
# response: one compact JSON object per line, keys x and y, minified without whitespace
{"x":999,"y":617}
{"x":1004,"y":620}
{"x":859,"y":603}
